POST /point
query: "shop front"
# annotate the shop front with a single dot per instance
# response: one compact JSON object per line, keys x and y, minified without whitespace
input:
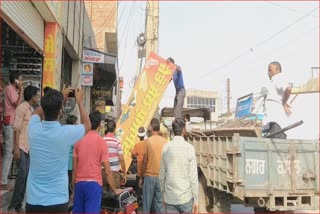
{"x":18,"y":56}
{"x":22,"y":41}
{"x":21,"y":48}
{"x":103,"y":80}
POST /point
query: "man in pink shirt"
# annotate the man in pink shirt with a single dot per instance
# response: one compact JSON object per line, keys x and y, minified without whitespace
{"x":24,"y":111}
{"x":88,"y":155}
{"x":12,"y":98}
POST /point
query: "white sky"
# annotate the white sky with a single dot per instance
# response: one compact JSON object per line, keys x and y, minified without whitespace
{"x":205,"y":38}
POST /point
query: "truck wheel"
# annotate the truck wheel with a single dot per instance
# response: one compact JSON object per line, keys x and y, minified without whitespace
{"x":211,"y":200}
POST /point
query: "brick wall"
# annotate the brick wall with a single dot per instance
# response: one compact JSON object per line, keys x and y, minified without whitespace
{"x":103,"y":17}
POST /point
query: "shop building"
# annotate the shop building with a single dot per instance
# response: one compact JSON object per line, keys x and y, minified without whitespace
{"x":44,"y":41}
{"x":105,"y":93}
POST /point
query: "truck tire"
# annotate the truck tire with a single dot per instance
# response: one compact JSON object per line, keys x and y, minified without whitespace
{"x":211,"y":200}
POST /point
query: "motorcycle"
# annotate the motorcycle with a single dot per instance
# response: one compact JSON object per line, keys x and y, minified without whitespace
{"x":124,"y":203}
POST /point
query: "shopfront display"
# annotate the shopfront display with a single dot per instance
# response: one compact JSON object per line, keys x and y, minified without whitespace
{"x":18,"y":56}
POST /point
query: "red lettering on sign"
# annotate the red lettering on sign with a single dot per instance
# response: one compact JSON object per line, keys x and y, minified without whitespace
{"x":90,"y":58}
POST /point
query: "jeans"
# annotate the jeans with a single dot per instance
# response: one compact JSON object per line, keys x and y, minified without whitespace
{"x":178,"y":102}
{"x":152,"y":196}
{"x":21,"y":181}
{"x":7,"y":153}
{"x":182,"y":208}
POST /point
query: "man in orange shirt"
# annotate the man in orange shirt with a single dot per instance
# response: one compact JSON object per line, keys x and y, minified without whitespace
{"x":152,"y":197}
{"x":88,"y":155}
{"x":138,"y":151}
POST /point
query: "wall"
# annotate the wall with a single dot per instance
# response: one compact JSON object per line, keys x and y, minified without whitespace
{"x":103,"y":17}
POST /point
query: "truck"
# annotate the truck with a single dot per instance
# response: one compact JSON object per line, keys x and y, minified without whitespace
{"x":237,"y":165}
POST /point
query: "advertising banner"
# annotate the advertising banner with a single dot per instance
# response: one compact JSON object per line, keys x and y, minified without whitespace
{"x":143,"y":102}
{"x":87,"y":74}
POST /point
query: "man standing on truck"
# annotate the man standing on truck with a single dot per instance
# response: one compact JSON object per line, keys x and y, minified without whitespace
{"x":277,"y":110}
{"x":178,"y":173}
{"x":180,"y":90}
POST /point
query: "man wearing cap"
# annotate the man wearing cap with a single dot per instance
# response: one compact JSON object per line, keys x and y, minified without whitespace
{"x":138,"y":151}
{"x":180,"y":90}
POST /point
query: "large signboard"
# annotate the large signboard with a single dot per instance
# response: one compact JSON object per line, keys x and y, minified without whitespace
{"x":143,"y":102}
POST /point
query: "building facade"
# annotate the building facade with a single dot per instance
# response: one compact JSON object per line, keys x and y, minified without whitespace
{"x":44,"y":40}
{"x":103,"y":17}
{"x":200,"y":99}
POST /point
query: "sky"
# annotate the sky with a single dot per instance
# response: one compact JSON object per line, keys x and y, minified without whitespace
{"x":213,"y":41}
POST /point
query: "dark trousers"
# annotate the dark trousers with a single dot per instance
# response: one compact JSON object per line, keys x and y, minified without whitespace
{"x":178,"y":102}
{"x":70,"y":180}
{"x":274,"y":127}
{"x":57,"y":208}
{"x":21,"y":181}
{"x":138,"y":189}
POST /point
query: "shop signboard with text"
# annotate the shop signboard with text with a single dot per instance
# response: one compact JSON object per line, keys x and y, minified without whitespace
{"x":52,"y":55}
{"x":143,"y":101}
{"x":93,"y":56}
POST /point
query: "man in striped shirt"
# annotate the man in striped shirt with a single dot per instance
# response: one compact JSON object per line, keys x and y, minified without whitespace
{"x":116,"y":158}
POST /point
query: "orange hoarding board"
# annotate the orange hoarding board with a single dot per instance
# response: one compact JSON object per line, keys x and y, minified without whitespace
{"x":50,"y":52}
{"x":143,"y":102}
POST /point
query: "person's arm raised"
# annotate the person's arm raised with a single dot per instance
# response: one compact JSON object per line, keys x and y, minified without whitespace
{"x":85,"y":120}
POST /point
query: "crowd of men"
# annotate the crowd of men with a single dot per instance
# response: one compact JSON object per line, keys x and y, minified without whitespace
{"x":62,"y":162}
{"x":59,"y":163}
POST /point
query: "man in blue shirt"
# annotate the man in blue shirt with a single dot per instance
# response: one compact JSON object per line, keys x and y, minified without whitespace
{"x":180,"y":90}
{"x":50,"y":142}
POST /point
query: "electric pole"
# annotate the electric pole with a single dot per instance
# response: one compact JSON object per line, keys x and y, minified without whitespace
{"x":152,"y":27}
{"x":228,"y":97}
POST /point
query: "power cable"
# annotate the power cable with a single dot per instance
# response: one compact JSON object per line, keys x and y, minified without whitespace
{"x":121,"y":15}
{"x":284,"y":45}
{"x":258,"y":45}
{"x":126,"y":31}
{"x":128,"y":21}
{"x":287,"y":8}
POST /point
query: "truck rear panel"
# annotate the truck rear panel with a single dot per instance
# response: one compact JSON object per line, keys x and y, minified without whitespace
{"x":278,"y":174}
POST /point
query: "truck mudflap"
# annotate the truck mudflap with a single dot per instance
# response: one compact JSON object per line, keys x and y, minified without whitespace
{"x":272,"y":174}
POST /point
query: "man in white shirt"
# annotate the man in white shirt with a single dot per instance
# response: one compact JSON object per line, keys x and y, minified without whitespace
{"x":178,"y":173}
{"x":277,"y":109}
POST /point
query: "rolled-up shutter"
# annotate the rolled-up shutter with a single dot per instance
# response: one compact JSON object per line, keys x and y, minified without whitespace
{"x":25,"y":19}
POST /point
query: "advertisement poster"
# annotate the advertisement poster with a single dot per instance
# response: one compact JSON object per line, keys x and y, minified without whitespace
{"x":87,"y":74}
{"x":143,"y":102}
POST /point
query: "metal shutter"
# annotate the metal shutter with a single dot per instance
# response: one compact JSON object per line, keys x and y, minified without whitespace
{"x":26,"y":17}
